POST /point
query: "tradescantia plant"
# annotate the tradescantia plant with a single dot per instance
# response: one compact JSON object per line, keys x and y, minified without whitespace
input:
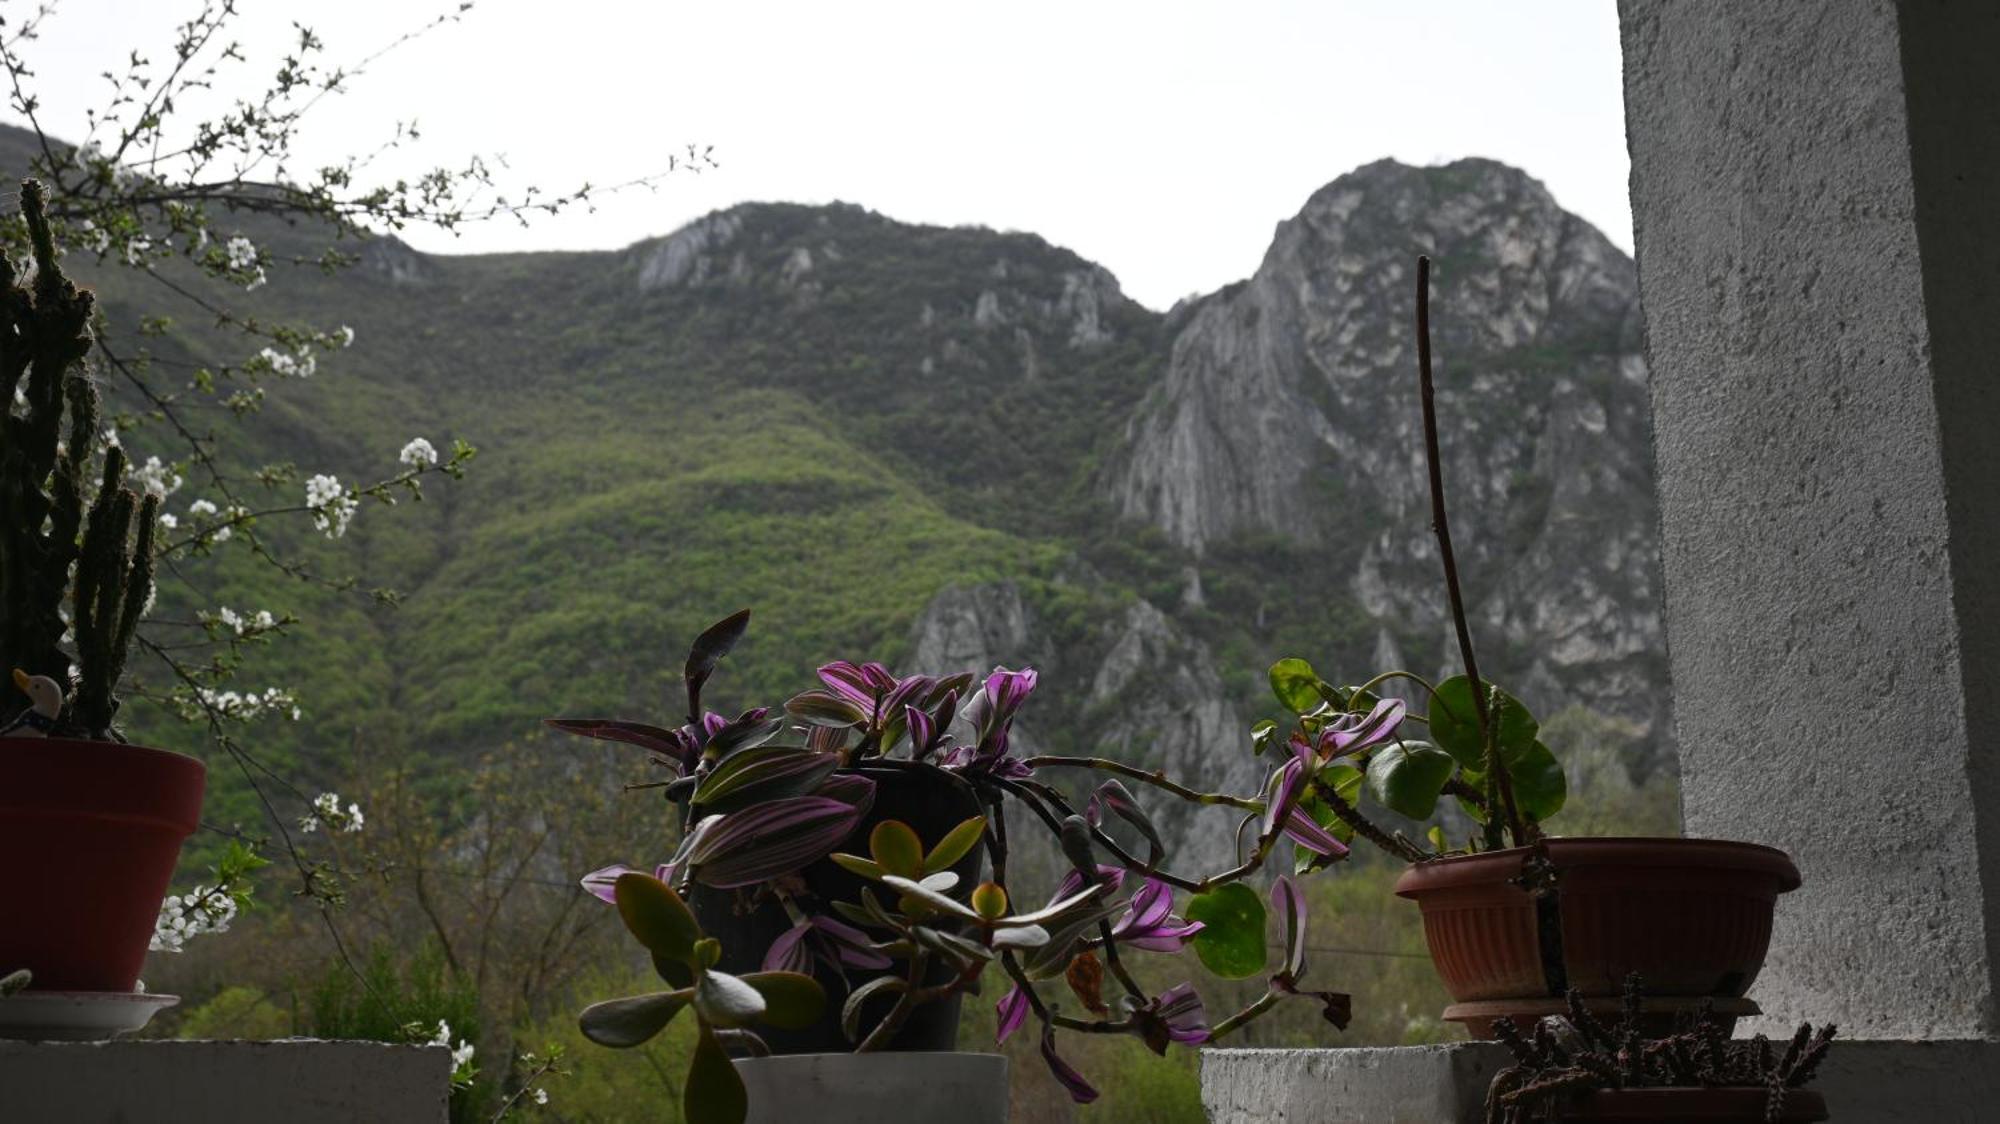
{"x":769,"y":793}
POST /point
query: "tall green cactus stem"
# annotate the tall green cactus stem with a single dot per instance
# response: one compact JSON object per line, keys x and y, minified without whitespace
{"x":44,"y":336}
{"x":114,"y":581}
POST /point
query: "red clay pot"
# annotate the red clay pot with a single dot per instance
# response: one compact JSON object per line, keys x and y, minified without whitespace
{"x":1692,"y":916}
{"x":89,"y":835}
{"x":1711,"y":1106}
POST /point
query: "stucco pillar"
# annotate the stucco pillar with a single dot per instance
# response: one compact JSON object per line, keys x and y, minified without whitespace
{"x":1816,"y":196}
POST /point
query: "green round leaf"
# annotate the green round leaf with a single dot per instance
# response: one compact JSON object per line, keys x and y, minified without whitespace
{"x":1454,"y":723}
{"x":656,"y":915}
{"x":628,"y":1022}
{"x":955,"y":844}
{"x":1539,"y":785}
{"x":791,"y":1001}
{"x":1406,"y":777}
{"x":896,"y":849}
{"x":725,"y":1000}
{"x":1296,"y":685}
{"x":714,"y":1093}
{"x":1540,"y":788}
{"x":1231,"y":942}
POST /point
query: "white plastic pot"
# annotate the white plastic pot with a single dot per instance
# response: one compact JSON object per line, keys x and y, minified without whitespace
{"x":874,"y":1088}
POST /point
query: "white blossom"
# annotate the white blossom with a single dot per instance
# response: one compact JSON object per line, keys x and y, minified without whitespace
{"x":541,"y":1096}
{"x":156,"y":477}
{"x":246,"y":705}
{"x":260,"y":621}
{"x":328,"y":813}
{"x":96,"y":239}
{"x":297,"y":366}
{"x":242,"y":252}
{"x":330,"y":504}
{"x":168,"y":521}
{"x":199,"y":508}
{"x":205,"y":909}
{"x":346,"y":336}
{"x":461,"y":1054}
{"x":419,"y":453}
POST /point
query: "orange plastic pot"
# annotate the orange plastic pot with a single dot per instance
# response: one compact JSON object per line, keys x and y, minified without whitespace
{"x":89,"y":832}
{"x":1691,"y":916}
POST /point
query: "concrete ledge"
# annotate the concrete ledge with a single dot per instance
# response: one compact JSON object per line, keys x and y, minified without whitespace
{"x":1388,"y":1085}
{"x":1956,"y":1082}
{"x":296,"y":1081}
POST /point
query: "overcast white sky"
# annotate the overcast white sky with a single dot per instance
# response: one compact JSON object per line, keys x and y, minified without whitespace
{"x":1161,"y":139}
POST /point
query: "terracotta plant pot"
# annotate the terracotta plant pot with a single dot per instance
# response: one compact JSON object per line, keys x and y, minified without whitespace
{"x":90,"y":832}
{"x":932,"y":802}
{"x":1691,"y":916}
{"x":1688,"y":1106}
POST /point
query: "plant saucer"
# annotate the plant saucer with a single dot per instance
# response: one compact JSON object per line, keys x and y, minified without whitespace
{"x":78,"y":1016}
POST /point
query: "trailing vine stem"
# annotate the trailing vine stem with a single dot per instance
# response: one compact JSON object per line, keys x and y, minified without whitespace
{"x":1155,"y":777}
{"x":1440,"y":524}
{"x":1348,"y":814}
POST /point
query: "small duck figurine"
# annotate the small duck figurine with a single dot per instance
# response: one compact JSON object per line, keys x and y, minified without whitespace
{"x":45,"y":703}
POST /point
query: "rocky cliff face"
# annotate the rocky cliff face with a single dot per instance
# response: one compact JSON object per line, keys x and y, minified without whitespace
{"x":1289,"y":406}
{"x":1285,"y":417}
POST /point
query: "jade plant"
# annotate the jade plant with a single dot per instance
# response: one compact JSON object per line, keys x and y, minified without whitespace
{"x":1570,"y":1055}
{"x":1478,"y":746}
{"x":725,"y":1007}
{"x":769,"y":793}
{"x":68,"y":535}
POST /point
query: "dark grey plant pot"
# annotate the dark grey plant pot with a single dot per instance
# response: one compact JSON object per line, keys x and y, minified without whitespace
{"x":928,"y":799}
{"x":874,"y":1088}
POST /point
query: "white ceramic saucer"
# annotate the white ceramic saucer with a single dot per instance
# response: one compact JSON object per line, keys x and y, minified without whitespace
{"x":78,"y":1016}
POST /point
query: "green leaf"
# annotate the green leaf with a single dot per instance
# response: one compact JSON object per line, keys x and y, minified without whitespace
{"x":675,"y":972}
{"x":753,"y":776}
{"x":714,"y":1093}
{"x":1406,"y":777}
{"x":896,"y":849}
{"x":1454,"y":723}
{"x":791,"y":1001}
{"x":1345,"y":780}
{"x":621,"y":1023}
{"x":955,"y":844}
{"x":850,"y":1012}
{"x":656,"y":915}
{"x":725,"y":1000}
{"x":1262,"y":734}
{"x":713,"y":644}
{"x":1231,"y":942}
{"x":1540,"y":789}
{"x":823,"y":708}
{"x":989,"y":901}
{"x":1296,"y":685}
{"x":855,"y":864}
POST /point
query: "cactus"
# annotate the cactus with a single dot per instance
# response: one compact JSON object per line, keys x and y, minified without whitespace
{"x":45,"y":535}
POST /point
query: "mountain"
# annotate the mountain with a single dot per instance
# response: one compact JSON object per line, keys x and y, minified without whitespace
{"x":951,"y":448}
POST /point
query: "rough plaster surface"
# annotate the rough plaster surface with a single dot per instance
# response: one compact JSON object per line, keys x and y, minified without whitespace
{"x":1864,"y":1083}
{"x":1824,"y":411}
{"x":1390,"y":1085}
{"x":295,"y":1081}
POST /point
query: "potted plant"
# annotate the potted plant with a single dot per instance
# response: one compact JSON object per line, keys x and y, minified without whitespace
{"x":1579,"y":1068}
{"x":92,"y":824}
{"x":1516,"y":918}
{"x":842,"y":842}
